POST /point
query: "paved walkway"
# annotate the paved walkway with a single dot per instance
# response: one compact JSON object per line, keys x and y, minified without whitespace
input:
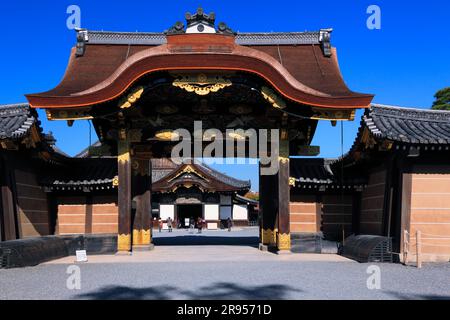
{"x":223,"y":272}
{"x":210,"y":246}
{"x":179,"y":254}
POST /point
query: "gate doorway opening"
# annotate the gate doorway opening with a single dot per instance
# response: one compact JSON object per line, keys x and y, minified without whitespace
{"x":186,"y":212}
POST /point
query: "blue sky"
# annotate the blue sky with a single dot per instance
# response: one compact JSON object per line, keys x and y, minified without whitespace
{"x":404,"y":63}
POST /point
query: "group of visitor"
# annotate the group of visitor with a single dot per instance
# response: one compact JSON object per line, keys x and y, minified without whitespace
{"x":169,"y":224}
{"x":198,"y":224}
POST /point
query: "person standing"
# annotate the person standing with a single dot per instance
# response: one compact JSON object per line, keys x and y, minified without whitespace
{"x":200,"y":224}
{"x":229,"y":224}
{"x":169,"y":224}
{"x":160,"y":225}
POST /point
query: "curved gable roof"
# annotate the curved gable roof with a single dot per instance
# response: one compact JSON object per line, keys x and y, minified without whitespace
{"x":294,"y":63}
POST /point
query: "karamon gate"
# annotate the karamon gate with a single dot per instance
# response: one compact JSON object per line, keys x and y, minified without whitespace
{"x":138,"y":88}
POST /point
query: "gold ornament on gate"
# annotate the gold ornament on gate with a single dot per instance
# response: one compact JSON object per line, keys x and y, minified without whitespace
{"x":132,"y":98}
{"x":202,"y":84}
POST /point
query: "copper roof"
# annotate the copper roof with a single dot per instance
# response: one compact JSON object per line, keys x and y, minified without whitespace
{"x":302,"y":66}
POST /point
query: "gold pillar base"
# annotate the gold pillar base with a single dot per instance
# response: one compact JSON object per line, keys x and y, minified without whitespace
{"x":124,"y":243}
{"x":269,"y":237}
{"x":284,"y":241}
{"x":142,"y":237}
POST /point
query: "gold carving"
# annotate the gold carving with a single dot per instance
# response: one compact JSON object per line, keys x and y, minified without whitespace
{"x":202,"y":84}
{"x":141,"y":237}
{"x":333,"y":115}
{"x":283,"y":160}
{"x":273,"y":98}
{"x":284,"y":241}
{"x":124,"y":242}
{"x":135,"y":165}
{"x":189,"y":169}
{"x":115,"y":182}
{"x":146,"y":236}
{"x":132,"y":98}
{"x":167,"y":135}
{"x":292,"y":181}
{"x":124,"y":157}
{"x":69,"y":115}
{"x":269,"y":237}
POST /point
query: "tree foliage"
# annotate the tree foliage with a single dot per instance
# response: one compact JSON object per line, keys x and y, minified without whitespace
{"x":442,"y":101}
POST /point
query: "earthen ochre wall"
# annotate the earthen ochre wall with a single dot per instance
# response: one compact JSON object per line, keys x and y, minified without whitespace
{"x":84,"y":215}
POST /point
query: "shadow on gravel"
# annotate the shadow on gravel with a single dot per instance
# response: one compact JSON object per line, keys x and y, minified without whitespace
{"x":188,"y":240}
{"x":216,"y":291}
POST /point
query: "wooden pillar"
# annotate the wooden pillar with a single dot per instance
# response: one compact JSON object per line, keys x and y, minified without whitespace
{"x":124,"y":197}
{"x":9,"y":209}
{"x":284,"y":233}
{"x":142,"y":193}
{"x":419,"y":249}
{"x":268,"y":207}
{"x":89,"y":215}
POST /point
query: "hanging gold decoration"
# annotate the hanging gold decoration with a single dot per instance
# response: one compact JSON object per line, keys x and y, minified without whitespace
{"x":69,"y":115}
{"x":273,"y":98}
{"x":132,"y":98}
{"x":333,"y":115}
{"x":202,"y":84}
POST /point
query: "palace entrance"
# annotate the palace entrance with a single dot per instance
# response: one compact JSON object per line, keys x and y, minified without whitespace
{"x":188,"y":212}
{"x":145,"y":91}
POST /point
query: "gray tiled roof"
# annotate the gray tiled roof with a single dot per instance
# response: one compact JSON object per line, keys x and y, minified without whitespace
{"x":247,"y":38}
{"x":408,"y":125}
{"x":82,"y":173}
{"x":315,"y":171}
{"x":224,"y":178}
{"x":323,"y":172}
{"x":16,"y":120}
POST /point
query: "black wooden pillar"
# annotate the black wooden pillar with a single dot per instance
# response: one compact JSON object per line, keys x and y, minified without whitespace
{"x":283,"y":232}
{"x":142,"y":193}
{"x":268,"y":194}
{"x":124,"y":196}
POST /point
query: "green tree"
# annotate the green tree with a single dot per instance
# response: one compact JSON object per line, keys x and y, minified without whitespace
{"x":442,"y":101}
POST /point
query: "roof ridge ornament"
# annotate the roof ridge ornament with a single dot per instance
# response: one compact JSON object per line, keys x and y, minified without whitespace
{"x":82,"y":39}
{"x":325,"y":41}
{"x":200,"y":22}
{"x":200,"y":17}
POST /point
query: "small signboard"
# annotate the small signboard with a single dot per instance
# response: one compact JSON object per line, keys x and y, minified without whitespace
{"x":81,"y":256}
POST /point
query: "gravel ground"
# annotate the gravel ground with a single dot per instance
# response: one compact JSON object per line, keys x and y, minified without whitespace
{"x":242,"y":273}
